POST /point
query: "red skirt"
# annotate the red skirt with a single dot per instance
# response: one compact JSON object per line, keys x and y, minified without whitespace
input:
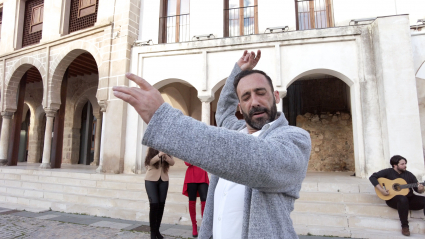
{"x":194,"y":175}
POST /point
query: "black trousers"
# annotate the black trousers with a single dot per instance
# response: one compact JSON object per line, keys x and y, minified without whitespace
{"x":157,"y":191}
{"x":403,"y":204}
{"x":194,"y":188}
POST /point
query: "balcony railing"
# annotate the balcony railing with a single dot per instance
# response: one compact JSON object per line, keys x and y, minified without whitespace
{"x":240,"y":21}
{"x":175,"y":28}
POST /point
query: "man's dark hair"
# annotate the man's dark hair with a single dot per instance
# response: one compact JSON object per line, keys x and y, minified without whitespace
{"x":396,"y":159}
{"x":242,"y":74}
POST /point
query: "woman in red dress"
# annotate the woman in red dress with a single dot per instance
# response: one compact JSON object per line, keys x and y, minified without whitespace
{"x":195,"y":185}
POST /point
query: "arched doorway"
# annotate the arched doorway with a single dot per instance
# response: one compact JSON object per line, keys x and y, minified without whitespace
{"x":87,"y":135}
{"x":23,"y":143}
{"x":321,"y":104}
{"x":78,"y":90}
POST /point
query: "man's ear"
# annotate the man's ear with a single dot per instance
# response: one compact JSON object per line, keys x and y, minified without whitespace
{"x":276,"y":96}
{"x":240,"y":110}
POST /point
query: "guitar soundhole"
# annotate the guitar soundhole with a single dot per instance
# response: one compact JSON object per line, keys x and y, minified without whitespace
{"x":396,"y":187}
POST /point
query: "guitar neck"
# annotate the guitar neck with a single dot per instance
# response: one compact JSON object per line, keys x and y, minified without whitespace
{"x":411,"y":185}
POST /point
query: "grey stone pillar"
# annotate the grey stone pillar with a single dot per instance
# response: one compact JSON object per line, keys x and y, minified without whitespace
{"x":97,"y":139}
{"x":5,"y":134}
{"x":103,"y":105}
{"x":50,"y":115}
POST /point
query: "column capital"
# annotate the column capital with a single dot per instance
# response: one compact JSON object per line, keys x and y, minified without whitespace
{"x":103,"y":105}
{"x":50,"y":112}
{"x":7,"y":115}
{"x":206,"y":99}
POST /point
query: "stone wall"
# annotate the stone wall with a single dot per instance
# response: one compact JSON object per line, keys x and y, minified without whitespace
{"x":332,"y":147}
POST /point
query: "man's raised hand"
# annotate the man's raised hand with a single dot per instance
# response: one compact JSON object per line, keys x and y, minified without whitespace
{"x":145,"y":100}
{"x":249,"y":60}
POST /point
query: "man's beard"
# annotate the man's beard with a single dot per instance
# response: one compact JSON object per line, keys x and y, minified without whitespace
{"x":260,"y":122}
{"x":400,"y":169}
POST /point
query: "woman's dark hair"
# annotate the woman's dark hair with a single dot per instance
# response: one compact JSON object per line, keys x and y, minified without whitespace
{"x":396,"y":159}
{"x":152,"y":153}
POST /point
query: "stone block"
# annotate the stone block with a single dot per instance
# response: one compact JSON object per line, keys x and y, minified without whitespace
{"x":54,"y":196}
{"x":30,"y":178}
{"x":338,"y":187}
{"x":33,"y":193}
{"x":320,"y":197}
{"x":300,"y":218}
{"x":314,"y":207}
{"x":15,"y":191}
{"x":28,"y":185}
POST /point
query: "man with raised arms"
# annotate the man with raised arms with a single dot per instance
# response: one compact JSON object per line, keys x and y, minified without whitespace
{"x":257,"y":164}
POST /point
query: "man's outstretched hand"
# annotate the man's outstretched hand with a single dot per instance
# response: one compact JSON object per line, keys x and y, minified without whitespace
{"x":145,"y":100}
{"x":249,"y":60}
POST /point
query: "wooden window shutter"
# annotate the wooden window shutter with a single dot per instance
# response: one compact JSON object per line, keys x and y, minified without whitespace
{"x":329,"y":13}
{"x":312,"y":18}
{"x":86,"y":7}
{"x":37,"y":18}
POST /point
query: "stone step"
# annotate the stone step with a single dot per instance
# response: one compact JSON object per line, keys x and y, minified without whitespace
{"x":322,"y":230}
{"x":29,"y":197}
{"x":377,"y":234}
{"x":309,"y":219}
{"x":372,"y":210}
{"x":333,"y":197}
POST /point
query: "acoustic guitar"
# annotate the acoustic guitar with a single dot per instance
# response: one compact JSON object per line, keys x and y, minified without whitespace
{"x":395,"y":187}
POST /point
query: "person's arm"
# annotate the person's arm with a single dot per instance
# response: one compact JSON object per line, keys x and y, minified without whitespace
{"x":154,"y":160}
{"x":169,"y":159}
{"x":374,"y":180}
{"x":276,"y":163}
{"x":228,"y":101}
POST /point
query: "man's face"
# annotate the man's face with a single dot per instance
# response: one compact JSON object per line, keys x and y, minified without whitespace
{"x":402,"y":165}
{"x":257,"y":102}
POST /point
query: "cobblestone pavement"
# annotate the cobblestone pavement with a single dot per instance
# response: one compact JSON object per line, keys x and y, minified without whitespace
{"x":59,"y":225}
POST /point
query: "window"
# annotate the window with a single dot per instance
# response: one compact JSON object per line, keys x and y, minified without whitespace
{"x":37,"y":18}
{"x":240,"y":17}
{"x":314,"y":14}
{"x":174,"y":23}
{"x":33,"y":22}
{"x":86,"y":7}
{"x":83,"y":14}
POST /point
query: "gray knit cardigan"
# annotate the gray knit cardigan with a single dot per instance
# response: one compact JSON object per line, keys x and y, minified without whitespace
{"x":272,"y":166}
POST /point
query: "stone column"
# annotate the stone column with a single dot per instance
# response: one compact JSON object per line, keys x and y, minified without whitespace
{"x":97,"y":139}
{"x":50,"y":115}
{"x":206,"y":112}
{"x":5,"y":131}
{"x":396,"y":83}
{"x":102,"y":140}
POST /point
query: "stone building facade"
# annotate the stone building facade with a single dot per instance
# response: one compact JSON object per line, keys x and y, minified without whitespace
{"x":186,"y":49}
{"x":376,"y":54}
{"x":86,"y":42}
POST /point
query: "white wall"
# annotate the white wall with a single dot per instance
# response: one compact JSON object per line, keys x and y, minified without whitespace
{"x":207,"y":16}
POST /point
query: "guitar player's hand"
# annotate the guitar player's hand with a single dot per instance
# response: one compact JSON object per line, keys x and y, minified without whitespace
{"x":420,"y":188}
{"x":383,"y":191}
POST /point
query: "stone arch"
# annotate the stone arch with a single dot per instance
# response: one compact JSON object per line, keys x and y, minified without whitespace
{"x":72,"y":128}
{"x":173,"y":97}
{"x":13,"y":78}
{"x":336,"y":74}
{"x":356,"y":114}
{"x":61,"y":62}
{"x":168,"y":81}
{"x":218,"y":86}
